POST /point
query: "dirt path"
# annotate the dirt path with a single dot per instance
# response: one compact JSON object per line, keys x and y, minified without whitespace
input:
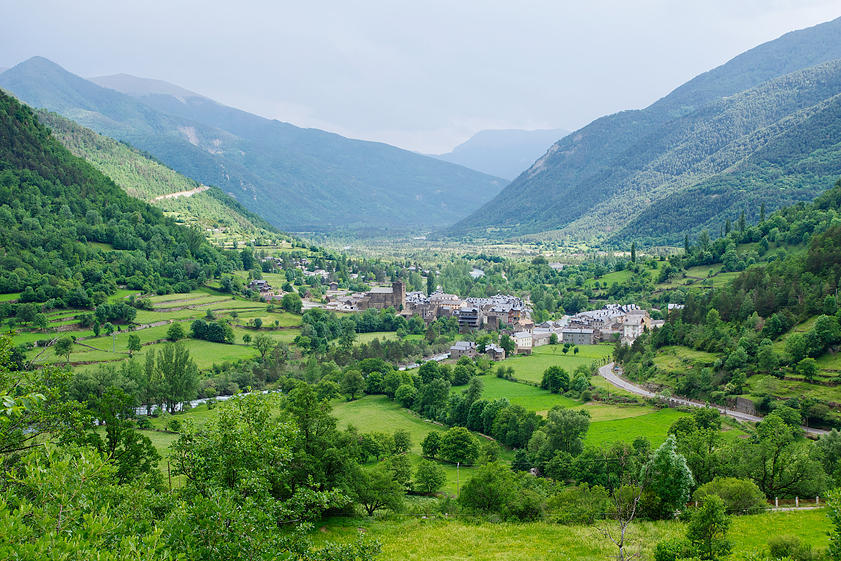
{"x":188,"y":193}
{"x":607,"y":373}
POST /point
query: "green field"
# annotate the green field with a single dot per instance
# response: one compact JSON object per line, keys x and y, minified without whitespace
{"x":413,"y":539}
{"x":381,"y":335}
{"x":530,"y":397}
{"x":652,"y":426}
{"x":531,"y":367}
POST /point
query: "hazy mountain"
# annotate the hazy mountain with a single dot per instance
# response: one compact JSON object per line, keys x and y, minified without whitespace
{"x":597,"y":181}
{"x":503,"y":153}
{"x":298,"y":179}
{"x":132,"y":85}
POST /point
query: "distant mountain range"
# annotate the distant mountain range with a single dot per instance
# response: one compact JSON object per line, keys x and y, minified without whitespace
{"x":503,"y":153}
{"x":764,"y":127}
{"x":297,"y":179}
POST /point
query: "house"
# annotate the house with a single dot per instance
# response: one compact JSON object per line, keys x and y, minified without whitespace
{"x":469,"y":318}
{"x":578,"y":336}
{"x":463,"y":348}
{"x":495,"y":352}
{"x":334,"y":286}
{"x":524,"y":342}
{"x":540,"y":337}
{"x":260,"y":285}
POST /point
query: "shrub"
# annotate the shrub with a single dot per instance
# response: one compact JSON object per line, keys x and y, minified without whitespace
{"x":173,"y":425}
{"x":790,"y":547}
{"x":673,"y":549}
{"x":740,"y":496}
{"x":578,"y":505}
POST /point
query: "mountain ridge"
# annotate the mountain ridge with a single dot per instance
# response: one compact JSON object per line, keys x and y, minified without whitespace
{"x":298,"y":179}
{"x":571,"y":180}
{"x":503,"y":152}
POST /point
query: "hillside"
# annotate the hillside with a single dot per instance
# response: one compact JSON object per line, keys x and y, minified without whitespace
{"x":214,"y":212}
{"x":503,"y":153}
{"x":597,"y":180}
{"x":297,"y":179}
{"x":64,"y":224}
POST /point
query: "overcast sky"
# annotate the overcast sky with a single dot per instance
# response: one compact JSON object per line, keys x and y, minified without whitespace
{"x":421,"y":75}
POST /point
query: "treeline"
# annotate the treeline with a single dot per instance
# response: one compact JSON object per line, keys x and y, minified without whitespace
{"x":61,"y":222}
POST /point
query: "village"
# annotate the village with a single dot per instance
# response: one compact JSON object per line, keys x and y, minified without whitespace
{"x":503,"y":313}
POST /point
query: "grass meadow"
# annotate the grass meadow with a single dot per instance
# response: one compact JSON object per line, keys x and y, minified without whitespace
{"x":417,"y":539}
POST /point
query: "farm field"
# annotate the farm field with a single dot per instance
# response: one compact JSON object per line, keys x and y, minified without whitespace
{"x":414,"y":539}
{"x":378,"y":413}
{"x":531,"y":367}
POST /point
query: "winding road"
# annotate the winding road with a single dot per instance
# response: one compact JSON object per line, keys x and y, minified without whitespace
{"x":608,"y":374}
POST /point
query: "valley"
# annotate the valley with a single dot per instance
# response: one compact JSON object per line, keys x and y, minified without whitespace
{"x":225,"y":336}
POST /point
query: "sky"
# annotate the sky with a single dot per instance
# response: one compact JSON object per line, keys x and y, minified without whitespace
{"x":420,"y":75}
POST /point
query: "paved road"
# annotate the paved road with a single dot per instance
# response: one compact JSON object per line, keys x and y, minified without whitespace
{"x":608,"y":374}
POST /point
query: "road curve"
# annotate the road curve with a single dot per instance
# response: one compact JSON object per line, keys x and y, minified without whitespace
{"x":608,"y":374}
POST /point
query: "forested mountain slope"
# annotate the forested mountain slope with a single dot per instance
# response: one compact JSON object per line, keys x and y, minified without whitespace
{"x":297,"y":179}
{"x":144,"y":178}
{"x":53,"y":204}
{"x":503,"y":153}
{"x":593,"y":182}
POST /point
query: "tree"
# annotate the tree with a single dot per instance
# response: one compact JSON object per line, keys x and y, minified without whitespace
{"x":707,"y":528}
{"x":834,"y":514}
{"x":633,"y":252}
{"x":63,"y":347}
{"x":401,"y":470}
{"x":406,"y":394}
{"x":175,"y":332}
{"x":177,"y":373}
{"x":491,"y":489}
{"x":263,"y":343}
{"x":40,"y":321}
{"x":431,"y":444}
{"x":740,"y":496}
{"x":258,"y":323}
{"x":430,"y":283}
{"x":376,"y":489}
{"x":291,"y":303}
{"x":624,"y":506}
{"x":669,"y":479}
{"x":508,"y":344}
{"x":133,"y":344}
{"x":246,"y":338}
{"x":807,"y":368}
{"x":459,"y":446}
{"x":429,"y":477}
{"x":402,"y":441}
{"x":353,"y":384}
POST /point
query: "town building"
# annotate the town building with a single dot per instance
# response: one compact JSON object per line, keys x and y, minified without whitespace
{"x":463,"y":348}
{"x":382,"y":297}
{"x":495,"y":352}
{"x":524,"y":342}
{"x":578,"y":336}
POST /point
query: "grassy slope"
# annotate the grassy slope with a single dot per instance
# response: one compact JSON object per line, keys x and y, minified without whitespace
{"x":144,"y":178}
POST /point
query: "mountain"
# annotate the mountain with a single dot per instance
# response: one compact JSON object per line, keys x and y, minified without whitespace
{"x":297,"y":179}
{"x":609,"y":179}
{"x":189,"y":202}
{"x":503,"y":153}
{"x":132,"y":85}
{"x":71,"y":236}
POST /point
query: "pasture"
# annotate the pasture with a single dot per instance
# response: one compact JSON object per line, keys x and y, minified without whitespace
{"x":531,"y":367}
{"x":416,"y":539}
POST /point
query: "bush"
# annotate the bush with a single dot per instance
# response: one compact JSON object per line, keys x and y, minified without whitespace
{"x":674,"y":549}
{"x":173,"y":425}
{"x":740,"y":496}
{"x":790,"y":547}
{"x":578,"y":505}
{"x":144,"y":423}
